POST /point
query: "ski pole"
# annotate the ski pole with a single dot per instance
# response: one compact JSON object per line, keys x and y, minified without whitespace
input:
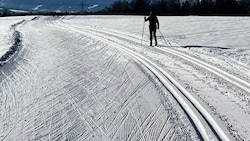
{"x":142,"y":32}
{"x":164,"y":39}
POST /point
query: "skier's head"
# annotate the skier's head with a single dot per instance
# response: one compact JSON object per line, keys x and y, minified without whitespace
{"x":152,"y":13}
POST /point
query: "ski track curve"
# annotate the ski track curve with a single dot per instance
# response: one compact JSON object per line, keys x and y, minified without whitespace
{"x":131,"y":41}
{"x":240,"y":86}
{"x":196,"y":121}
{"x":63,"y":85}
{"x":244,"y":85}
{"x":79,"y":84}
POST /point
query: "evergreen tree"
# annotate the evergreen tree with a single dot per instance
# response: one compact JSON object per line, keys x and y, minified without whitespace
{"x":186,"y":8}
{"x":227,"y":7}
{"x":163,"y":7}
{"x":140,"y":6}
{"x":120,"y":7}
{"x":174,"y":7}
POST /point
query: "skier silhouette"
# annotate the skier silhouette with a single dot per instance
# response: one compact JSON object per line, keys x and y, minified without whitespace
{"x":153,"y":25}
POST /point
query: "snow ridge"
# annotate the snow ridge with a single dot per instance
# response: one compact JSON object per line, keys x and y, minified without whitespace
{"x":17,"y":43}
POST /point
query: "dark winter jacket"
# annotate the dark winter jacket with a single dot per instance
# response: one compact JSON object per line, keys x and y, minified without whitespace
{"x":153,"y":22}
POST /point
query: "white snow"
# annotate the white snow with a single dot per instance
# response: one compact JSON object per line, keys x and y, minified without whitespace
{"x":73,"y":78}
{"x":228,"y":32}
{"x":6,"y":32}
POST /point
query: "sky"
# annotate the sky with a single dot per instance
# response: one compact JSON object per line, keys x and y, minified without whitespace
{"x":63,"y":5}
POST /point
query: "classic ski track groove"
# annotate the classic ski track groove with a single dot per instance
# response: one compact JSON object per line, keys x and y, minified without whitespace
{"x":27,"y":122}
{"x":244,"y":85}
{"x":144,"y":82}
{"x":158,"y":72}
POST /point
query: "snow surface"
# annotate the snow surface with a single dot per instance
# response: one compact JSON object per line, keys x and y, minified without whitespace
{"x":6,"y":33}
{"x":69,"y":79}
{"x":228,"y":32}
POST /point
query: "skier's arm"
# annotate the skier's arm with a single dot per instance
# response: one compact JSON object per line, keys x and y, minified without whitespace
{"x":146,"y":19}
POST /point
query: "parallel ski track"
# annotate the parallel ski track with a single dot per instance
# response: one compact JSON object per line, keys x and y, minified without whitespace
{"x":167,"y":80}
{"x":242,"y":84}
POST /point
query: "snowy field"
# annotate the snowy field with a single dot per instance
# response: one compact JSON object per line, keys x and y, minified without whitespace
{"x":228,"y":32}
{"x":6,"y":32}
{"x":96,"y":78}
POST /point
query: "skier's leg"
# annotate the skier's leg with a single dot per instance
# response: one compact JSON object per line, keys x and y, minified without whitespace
{"x":151,"y":36}
{"x":155,"y":38}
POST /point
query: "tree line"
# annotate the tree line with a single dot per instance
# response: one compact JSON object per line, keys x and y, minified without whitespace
{"x":175,"y":7}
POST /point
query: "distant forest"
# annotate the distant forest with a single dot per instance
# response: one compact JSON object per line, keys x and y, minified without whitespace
{"x":175,"y":7}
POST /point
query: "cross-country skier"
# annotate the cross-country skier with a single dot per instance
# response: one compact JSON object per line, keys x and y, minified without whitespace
{"x":153,"y":25}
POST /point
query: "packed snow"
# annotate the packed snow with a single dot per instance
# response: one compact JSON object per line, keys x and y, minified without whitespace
{"x":6,"y":32}
{"x":96,"y":78}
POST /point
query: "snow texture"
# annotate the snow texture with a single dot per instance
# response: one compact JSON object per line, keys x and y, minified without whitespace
{"x":96,"y":78}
